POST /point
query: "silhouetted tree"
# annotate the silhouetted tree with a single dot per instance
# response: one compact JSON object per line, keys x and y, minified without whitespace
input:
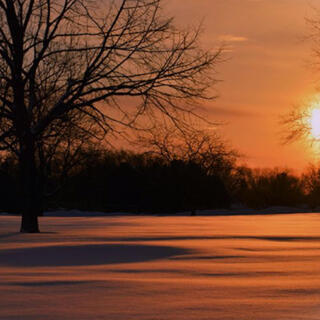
{"x":311,"y":183}
{"x":263,"y":188}
{"x":297,"y":123}
{"x":203,"y":163}
{"x":191,"y":144}
{"x":66,"y":64}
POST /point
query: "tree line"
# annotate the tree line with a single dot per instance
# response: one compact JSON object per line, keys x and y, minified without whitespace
{"x":119,"y":180}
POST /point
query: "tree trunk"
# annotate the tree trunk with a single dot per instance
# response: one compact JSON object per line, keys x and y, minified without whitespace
{"x":31,"y":204}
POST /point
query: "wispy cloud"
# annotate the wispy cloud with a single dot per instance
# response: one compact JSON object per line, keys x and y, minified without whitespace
{"x":232,"y":38}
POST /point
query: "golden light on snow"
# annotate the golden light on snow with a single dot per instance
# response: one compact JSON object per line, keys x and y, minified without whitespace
{"x":172,"y":268}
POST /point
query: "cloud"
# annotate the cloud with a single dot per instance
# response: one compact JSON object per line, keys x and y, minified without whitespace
{"x":232,"y":38}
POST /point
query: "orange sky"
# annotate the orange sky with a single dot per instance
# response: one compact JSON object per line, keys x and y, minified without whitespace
{"x":267,"y":74}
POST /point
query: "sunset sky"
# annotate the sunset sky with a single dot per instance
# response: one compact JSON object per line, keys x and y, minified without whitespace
{"x":267,"y":72}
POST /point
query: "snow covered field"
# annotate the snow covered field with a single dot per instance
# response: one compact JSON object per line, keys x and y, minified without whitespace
{"x":159,"y":268}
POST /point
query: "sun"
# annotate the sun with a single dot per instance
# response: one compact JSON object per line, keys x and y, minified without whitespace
{"x":315,"y":123}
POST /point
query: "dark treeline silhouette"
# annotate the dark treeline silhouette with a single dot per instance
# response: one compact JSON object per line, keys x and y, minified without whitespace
{"x":259,"y":189}
{"x":127,"y":181}
{"x":121,"y":180}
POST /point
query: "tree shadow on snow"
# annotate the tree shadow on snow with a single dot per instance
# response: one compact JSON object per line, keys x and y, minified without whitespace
{"x":9,"y":235}
{"x":95,"y":254}
{"x":19,"y":234}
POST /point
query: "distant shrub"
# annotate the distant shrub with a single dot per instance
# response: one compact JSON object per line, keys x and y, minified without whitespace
{"x":311,"y":183}
{"x":263,"y":188}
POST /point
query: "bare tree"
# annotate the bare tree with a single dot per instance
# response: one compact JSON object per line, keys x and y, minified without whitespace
{"x":191,"y":144}
{"x":298,"y":124}
{"x":66,"y":65}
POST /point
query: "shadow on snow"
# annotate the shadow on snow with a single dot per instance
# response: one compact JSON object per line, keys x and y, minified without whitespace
{"x":95,"y":254}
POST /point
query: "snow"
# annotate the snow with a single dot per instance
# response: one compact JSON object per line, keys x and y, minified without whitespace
{"x":161,"y":268}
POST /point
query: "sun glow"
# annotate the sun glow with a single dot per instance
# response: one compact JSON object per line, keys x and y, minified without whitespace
{"x":315,"y":123}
